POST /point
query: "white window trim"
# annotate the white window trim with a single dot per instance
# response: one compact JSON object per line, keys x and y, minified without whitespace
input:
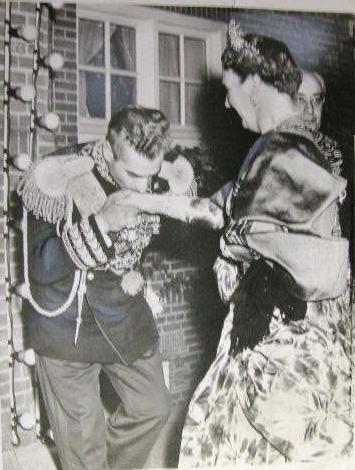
{"x":182,"y":33}
{"x":91,"y":127}
{"x":104,"y":70}
{"x":148,"y":22}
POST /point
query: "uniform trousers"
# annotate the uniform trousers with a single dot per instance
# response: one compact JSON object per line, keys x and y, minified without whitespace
{"x":84,"y":438}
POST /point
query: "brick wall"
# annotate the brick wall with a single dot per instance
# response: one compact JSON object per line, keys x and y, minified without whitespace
{"x":181,"y":341}
{"x":58,"y":94}
{"x":65,"y":91}
{"x":178,"y":267}
{"x":21,"y":66}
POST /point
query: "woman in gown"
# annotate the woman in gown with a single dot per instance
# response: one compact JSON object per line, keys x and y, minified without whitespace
{"x":279,"y":388}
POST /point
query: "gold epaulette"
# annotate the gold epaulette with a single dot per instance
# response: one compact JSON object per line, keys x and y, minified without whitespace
{"x":44,"y":187}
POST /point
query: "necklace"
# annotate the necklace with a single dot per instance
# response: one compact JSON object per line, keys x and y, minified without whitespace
{"x":324,"y":144}
{"x":295,"y":127}
{"x":298,"y":128}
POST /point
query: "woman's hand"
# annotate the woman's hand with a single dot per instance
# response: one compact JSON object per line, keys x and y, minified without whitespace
{"x":178,"y":207}
{"x":116,"y":213}
{"x":140,"y":202}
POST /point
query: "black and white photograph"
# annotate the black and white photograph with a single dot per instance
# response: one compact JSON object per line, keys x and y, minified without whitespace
{"x":177,"y":252}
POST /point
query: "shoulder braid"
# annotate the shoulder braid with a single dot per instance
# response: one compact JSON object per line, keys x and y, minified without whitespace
{"x":43,"y":188}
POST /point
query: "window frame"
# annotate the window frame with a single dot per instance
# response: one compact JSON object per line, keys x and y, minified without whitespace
{"x":148,"y":23}
{"x":107,"y":70}
{"x":88,"y":124}
{"x":182,"y":34}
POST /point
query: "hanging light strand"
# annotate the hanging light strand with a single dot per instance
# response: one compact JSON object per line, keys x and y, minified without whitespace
{"x":50,"y":121}
{"x":26,"y":420}
{"x":6,"y":140}
{"x":32,"y":136}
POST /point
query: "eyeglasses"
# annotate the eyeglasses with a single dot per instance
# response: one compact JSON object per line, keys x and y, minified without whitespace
{"x":316,"y":100}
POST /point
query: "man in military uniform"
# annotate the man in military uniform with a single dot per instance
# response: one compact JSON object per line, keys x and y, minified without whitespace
{"x":86,"y":310}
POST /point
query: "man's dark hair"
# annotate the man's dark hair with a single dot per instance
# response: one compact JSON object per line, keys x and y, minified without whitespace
{"x":145,"y":129}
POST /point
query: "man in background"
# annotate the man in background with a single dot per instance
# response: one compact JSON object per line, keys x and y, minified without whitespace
{"x":311,"y":97}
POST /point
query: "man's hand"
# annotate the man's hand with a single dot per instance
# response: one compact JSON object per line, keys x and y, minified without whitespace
{"x":115,"y":215}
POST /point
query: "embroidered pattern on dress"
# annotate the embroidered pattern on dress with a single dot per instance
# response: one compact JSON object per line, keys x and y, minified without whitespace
{"x":330,"y":151}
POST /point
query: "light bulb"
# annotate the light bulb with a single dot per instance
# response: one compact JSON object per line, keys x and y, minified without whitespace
{"x":55,"y":61}
{"x":25,"y":93}
{"x":27,"y":356}
{"x":28,"y":33}
{"x":27,"y":421}
{"x":57,"y":4}
{"x":22,"y":290}
{"x":50,"y":121}
{"x":21,"y":161}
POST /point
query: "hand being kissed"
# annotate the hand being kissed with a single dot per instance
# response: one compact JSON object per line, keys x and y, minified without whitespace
{"x":120,"y":210}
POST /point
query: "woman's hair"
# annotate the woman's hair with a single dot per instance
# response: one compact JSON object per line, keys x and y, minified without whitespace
{"x":267,"y":57}
{"x":145,"y":129}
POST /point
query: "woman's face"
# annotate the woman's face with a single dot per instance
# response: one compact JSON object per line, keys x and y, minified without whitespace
{"x":238,"y":95}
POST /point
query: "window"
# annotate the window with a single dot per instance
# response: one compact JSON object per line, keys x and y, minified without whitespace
{"x":144,"y":56}
{"x":107,"y":68}
{"x":182,"y":70}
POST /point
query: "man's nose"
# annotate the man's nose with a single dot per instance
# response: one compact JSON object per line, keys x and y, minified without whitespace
{"x":310,"y":107}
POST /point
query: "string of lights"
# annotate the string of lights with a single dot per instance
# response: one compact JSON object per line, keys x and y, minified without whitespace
{"x":22,"y":161}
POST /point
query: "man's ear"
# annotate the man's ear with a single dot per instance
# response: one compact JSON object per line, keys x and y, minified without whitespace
{"x":107,"y":151}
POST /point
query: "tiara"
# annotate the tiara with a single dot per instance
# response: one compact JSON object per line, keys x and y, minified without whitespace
{"x":248,"y":51}
{"x":235,"y":39}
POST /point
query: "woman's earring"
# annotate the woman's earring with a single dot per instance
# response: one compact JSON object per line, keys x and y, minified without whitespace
{"x":253,"y":100}
{"x":253,"y":95}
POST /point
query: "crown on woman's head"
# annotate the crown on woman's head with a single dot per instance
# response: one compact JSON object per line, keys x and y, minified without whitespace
{"x":236,"y":40}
